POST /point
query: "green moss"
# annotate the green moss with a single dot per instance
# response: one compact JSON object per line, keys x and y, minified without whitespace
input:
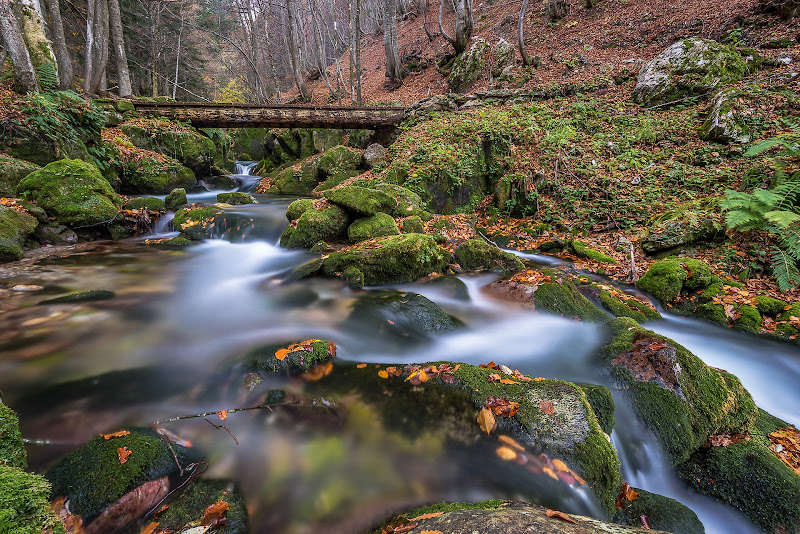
{"x":750,"y":319}
{"x":602,"y":404}
{"x":378,"y":225}
{"x":190,"y":148}
{"x":770,"y":306}
{"x":12,"y":171}
{"x":361,"y":200}
{"x":296,"y":181}
{"x":583,"y":251}
{"x":398,"y":259}
{"x":93,"y":478}
{"x":468,"y":67}
{"x":176,"y":198}
{"x":25,"y":504}
{"x":150,"y":203}
{"x":712,"y":312}
{"x":236,"y":198}
{"x":478,"y":255}
{"x":299,"y":360}
{"x":618,"y":308}
{"x":72,"y":191}
{"x":662,"y":513}
{"x":15,"y":227}
{"x":676,"y":395}
{"x":406,"y":201}
{"x":413,"y":225}
{"x":666,"y":278}
{"x":191,"y":505}
{"x":324,"y":224}
{"x":196,"y":222}
{"x":337,"y":159}
{"x":354,"y":277}
{"x":12,"y":451}
{"x":565,"y":300}
{"x":298,"y":207}
{"x":155,"y":176}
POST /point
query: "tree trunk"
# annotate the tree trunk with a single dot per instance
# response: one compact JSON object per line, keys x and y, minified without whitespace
{"x":24,"y":73}
{"x":120,"y":57}
{"x":463,"y":25}
{"x":294,"y":53}
{"x":355,"y":48}
{"x":394,"y":68}
{"x":40,"y":48}
{"x":441,"y":26}
{"x":97,"y":37}
{"x":526,"y":59}
{"x":65,"y":74}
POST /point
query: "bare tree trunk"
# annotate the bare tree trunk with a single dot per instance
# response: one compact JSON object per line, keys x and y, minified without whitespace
{"x":65,"y":74}
{"x":24,"y":74}
{"x":441,"y":26}
{"x":423,"y":8}
{"x":463,"y":25}
{"x":40,"y":49}
{"x":294,"y":54}
{"x":526,"y":59}
{"x":120,"y":57}
{"x":394,"y":68}
{"x":90,"y":45}
{"x":355,"y":49}
{"x":97,"y":37}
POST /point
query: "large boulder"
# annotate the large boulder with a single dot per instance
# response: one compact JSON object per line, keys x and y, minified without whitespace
{"x":284,"y":145}
{"x":662,"y":513}
{"x":155,"y":177}
{"x":468,"y":67}
{"x":504,"y":56}
{"x":15,"y":227}
{"x":680,"y":398}
{"x":197,"y":222}
{"x":36,"y":147}
{"x":189,"y":147}
{"x":724,"y":122}
{"x":72,"y":191}
{"x":299,"y":180}
{"x":690,"y":67}
{"x":314,"y":225}
{"x":378,"y":225}
{"x":670,"y":233}
{"x":12,"y":171}
{"x":361,"y":200}
{"x":396,"y":259}
{"x":248,"y":144}
{"x":478,"y":255}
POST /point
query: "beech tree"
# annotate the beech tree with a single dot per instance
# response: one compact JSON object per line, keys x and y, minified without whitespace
{"x":24,"y":74}
{"x":394,"y":68}
{"x":56,"y":25}
{"x":464,"y":25}
{"x":40,"y":49}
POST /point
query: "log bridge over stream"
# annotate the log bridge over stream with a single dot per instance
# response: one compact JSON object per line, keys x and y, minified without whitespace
{"x":205,"y":115}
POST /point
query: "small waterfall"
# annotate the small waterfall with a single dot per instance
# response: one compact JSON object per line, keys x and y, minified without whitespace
{"x":245,"y":167}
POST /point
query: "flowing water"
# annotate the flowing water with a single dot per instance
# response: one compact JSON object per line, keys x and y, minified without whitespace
{"x":181,"y":318}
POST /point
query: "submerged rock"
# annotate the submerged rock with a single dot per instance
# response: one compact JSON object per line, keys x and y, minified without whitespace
{"x":196,"y":221}
{"x":189,"y":509}
{"x":72,"y":191}
{"x":15,"y":227}
{"x":82,"y":296}
{"x":478,"y":255}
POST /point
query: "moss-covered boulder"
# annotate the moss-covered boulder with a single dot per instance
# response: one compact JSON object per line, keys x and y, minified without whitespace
{"x":324,"y":224}
{"x":176,"y":199}
{"x":93,"y":477}
{"x":12,"y":451}
{"x":298,"y":207}
{"x":289,"y":358}
{"x":188,"y":510}
{"x":297,"y":180}
{"x":582,"y":250}
{"x":148,"y":203}
{"x":406,"y":201}
{"x":236,"y":198}
{"x":478,"y":255}
{"x":361,"y":200}
{"x":748,"y":476}
{"x":724,"y":122}
{"x":681,"y":399}
{"x":248,"y":144}
{"x":193,"y":150}
{"x":623,"y":305}
{"x":690,"y":67}
{"x":602,"y":404}
{"x":155,"y":176}
{"x":662,"y":513}
{"x":378,"y":225}
{"x":286,"y":145}
{"x":12,"y":171}
{"x":35,"y":146}
{"x":337,"y":159}
{"x":15,"y":227}
{"x":666,"y":279}
{"x":468,"y":67}
{"x":413,"y":225}
{"x":72,"y":191}
{"x":25,"y":503}
{"x":396,"y":259}
{"x":196,"y":221}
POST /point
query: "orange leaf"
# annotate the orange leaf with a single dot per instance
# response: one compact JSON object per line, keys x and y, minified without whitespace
{"x":506,"y":453}
{"x":546,"y":407}
{"x":511,"y":442}
{"x":150,"y":528}
{"x":486,"y":420}
{"x":549,"y":472}
{"x":222,"y":414}
{"x":508,"y":381}
{"x":560,"y":515}
{"x":123,"y":453}
{"x":213,"y":514}
{"x":361,"y":365}
{"x":494,"y":377}
{"x":426,"y":516}
{"x":383,"y":374}
{"x":423,"y":376}
{"x":115,"y":435}
{"x":318,"y":372}
{"x":281,"y":354}
{"x":432,"y":531}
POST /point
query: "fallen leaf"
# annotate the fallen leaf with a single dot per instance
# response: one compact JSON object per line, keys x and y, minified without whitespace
{"x":560,"y":515}
{"x":115,"y":435}
{"x":423,"y":376}
{"x":506,"y":370}
{"x":502,"y":407}
{"x":645,"y":522}
{"x":508,"y":381}
{"x":486,"y":420}
{"x":506,"y":453}
{"x":431,"y":531}
{"x":213,"y":514}
{"x":150,"y":528}
{"x":511,"y":442}
{"x":361,"y":365}
{"x":494,"y":377}
{"x":123,"y":453}
{"x":547,"y":407}
{"x":383,"y":374}
{"x":281,"y":354}
{"x":626,"y":493}
{"x":222,"y":414}
{"x":426,"y":516}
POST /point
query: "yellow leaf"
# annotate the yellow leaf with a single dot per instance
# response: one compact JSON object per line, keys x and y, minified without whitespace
{"x":486,"y":420}
{"x":511,"y":442}
{"x":383,"y":374}
{"x":281,"y":354}
{"x":506,"y":453}
{"x":423,"y":376}
{"x":508,"y":381}
{"x":549,"y":472}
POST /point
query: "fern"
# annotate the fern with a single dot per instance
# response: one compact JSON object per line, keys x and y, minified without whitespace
{"x":784,"y":269}
{"x":46,"y":76}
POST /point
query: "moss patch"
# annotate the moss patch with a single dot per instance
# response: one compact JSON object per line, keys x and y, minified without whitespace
{"x":583,"y":251}
{"x":361,"y":200}
{"x":602,"y":404}
{"x":378,"y":225}
{"x":666,"y":279}
{"x":12,"y":451}
{"x":478,"y":255}
{"x":662,"y":512}
{"x":314,"y":225}
{"x":197,"y":222}
{"x":25,"y":503}
{"x":15,"y":227}
{"x":191,"y":505}
{"x":298,"y":207}
{"x":294,"y":359}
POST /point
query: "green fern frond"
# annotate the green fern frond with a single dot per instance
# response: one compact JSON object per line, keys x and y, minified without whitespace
{"x":789,"y":239}
{"x":762,"y":146}
{"x":784,"y":269}
{"x":743,"y":220}
{"x":782,"y":218}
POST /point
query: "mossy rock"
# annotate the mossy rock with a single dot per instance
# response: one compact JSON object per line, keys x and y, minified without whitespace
{"x":93,"y":478}
{"x":665,"y":279}
{"x":196,"y":222}
{"x":149,"y":203}
{"x":298,"y":207}
{"x":749,"y":477}
{"x":12,"y":171}
{"x":478,"y":255}
{"x":724,"y":122}
{"x":295,"y":181}
{"x":155,"y":177}
{"x":314,"y":225}
{"x":15,"y":227}
{"x":630,"y":307}
{"x":749,"y":319}
{"x":72,"y":191}
{"x":681,"y":399}
{"x":188,"y":509}
{"x":401,"y":315}
{"x":565,"y":300}
{"x":25,"y":503}
{"x":413,"y":225}
{"x":690,"y":67}
{"x":193,"y":150}
{"x":337,"y":159}
{"x":406,"y":201}
{"x":662,"y":513}
{"x":12,"y":450}
{"x":289,"y":359}
{"x":248,"y":143}
{"x":397,"y":259}
{"x":37,"y":147}
{"x":378,"y":225}
{"x":284,"y":145}
{"x":602,"y":404}
{"x":769,"y":305}
{"x":176,"y":198}
{"x":468,"y":67}
{"x":679,"y":231}
{"x":236,"y":198}
{"x":361,"y":200}
{"x":583,"y":251}
{"x":327,"y":138}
